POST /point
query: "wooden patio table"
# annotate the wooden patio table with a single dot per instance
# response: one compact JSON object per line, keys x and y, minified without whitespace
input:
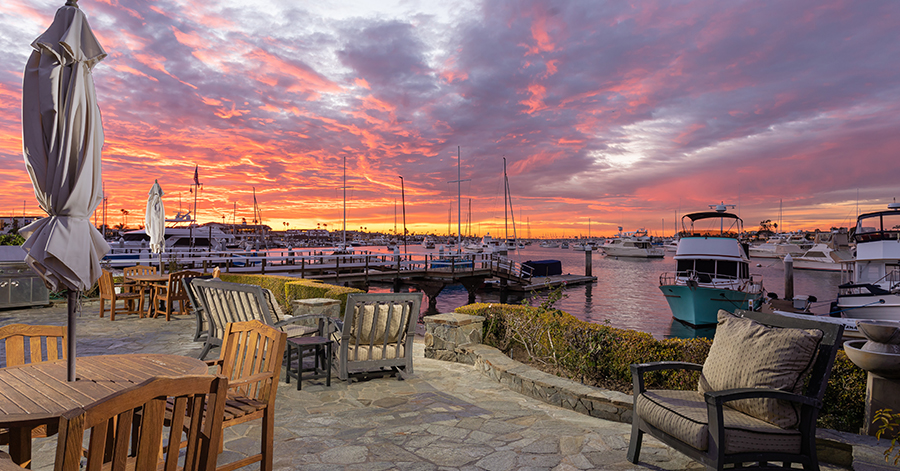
{"x":38,"y":393}
{"x":149,"y":281}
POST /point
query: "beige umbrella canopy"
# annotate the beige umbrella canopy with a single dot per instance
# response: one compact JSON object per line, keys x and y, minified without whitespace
{"x":155,"y":221}
{"x":62,"y":138}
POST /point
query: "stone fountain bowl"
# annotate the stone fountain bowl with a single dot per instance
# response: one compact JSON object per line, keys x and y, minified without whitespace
{"x":881,"y":331}
{"x":886,"y":365}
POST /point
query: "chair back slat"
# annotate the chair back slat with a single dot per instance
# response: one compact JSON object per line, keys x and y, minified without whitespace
{"x":41,"y":342}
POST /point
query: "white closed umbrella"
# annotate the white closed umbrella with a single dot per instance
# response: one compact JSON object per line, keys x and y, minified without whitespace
{"x":62,"y":138}
{"x":155,"y":221}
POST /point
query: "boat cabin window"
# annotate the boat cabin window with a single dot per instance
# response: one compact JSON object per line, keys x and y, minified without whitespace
{"x":878,"y":226}
{"x":727,"y":268}
{"x":684,"y":265}
{"x":814,"y":254}
{"x":135,"y":237}
{"x":706,"y":269}
{"x":186,"y":242}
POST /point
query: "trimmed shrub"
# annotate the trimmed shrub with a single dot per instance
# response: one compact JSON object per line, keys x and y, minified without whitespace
{"x":600,"y":354}
{"x":287,"y":288}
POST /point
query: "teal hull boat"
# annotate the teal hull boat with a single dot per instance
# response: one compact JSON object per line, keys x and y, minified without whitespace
{"x":697,"y":306}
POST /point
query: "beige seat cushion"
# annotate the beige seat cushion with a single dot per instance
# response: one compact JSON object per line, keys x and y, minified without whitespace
{"x":747,"y":354}
{"x":365,"y":353}
{"x":371,"y":325}
{"x":683,"y":414}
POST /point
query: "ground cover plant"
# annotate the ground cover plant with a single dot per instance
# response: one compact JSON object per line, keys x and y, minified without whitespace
{"x":601,"y":355}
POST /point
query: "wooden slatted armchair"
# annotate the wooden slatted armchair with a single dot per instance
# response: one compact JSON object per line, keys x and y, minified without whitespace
{"x":138,"y":420}
{"x":377,"y":334}
{"x":132,"y":301}
{"x":223,"y":302}
{"x":172,"y":291}
{"x":758,"y":397}
{"x":23,"y":344}
{"x":251,"y":359}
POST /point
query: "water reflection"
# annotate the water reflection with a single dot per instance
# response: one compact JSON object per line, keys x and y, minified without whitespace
{"x":680,"y":330}
{"x":626,"y":294}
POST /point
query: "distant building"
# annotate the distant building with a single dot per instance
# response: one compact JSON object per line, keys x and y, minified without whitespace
{"x":18,"y":222}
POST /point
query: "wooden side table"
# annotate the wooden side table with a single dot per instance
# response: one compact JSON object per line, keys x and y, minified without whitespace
{"x":318,"y":345}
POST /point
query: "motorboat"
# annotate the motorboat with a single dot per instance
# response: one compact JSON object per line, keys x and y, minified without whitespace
{"x":777,"y":247}
{"x":549,"y":244}
{"x":205,"y":237}
{"x":873,"y":291}
{"x":830,"y":252}
{"x":711,"y":269}
{"x":428,"y":242}
{"x":632,"y":244}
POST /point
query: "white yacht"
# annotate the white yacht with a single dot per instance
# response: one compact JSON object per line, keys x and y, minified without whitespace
{"x":777,"y":247}
{"x":712,"y":269}
{"x":830,"y":252}
{"x":874,"y":288}
{"x":632,"y":244}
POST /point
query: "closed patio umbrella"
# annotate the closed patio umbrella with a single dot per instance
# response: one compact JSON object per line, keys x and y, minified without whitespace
{"x":62,"y":137}
{"x":155,"y":221}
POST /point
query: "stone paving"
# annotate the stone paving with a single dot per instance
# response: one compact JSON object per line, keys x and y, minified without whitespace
{"x":446,"y":416}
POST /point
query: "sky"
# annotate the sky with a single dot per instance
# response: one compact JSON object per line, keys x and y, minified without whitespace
{"x":608,"y":113}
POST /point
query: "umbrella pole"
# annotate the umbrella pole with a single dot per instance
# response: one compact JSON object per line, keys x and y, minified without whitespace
{"x":70,"y":355}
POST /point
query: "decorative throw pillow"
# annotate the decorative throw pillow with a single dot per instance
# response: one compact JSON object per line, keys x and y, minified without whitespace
{"x":747,"y":354}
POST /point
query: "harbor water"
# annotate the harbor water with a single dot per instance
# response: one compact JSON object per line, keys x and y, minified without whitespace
{"x":626,"y":293}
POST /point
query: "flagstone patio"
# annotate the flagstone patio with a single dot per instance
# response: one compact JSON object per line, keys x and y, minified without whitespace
{"x":446,"y":416}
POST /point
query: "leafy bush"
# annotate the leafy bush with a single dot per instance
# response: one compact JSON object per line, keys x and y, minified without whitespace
{"x":11,"y":239}
{"x":602,"y":355}
{"x":287,"y":288}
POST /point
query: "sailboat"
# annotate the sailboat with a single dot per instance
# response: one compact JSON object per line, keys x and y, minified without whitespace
{"x":508,"y":244}
{"x":344,"y":248}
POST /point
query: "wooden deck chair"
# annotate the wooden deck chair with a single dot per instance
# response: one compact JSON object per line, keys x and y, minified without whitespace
{"x":134,"y":287}
{"x":251,"y":359}
{"x":108,"y":293}
{"x":377,"y":334}
{"x":134,"y":420}
{"x":172,"y":291}
{"x":23,"y":344}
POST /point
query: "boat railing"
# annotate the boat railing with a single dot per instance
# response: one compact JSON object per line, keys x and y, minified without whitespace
{"x":709,"y":280}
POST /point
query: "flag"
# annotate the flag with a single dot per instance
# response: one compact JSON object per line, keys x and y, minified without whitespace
{"x":196,"y":175}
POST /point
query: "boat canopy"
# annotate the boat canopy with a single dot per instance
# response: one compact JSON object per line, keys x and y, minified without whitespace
{"x":881,"y":225}
{"x":718,"y":230}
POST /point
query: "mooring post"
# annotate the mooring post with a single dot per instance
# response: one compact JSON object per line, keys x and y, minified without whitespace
{"x":788,"y":277}
{"x":588,"y":261}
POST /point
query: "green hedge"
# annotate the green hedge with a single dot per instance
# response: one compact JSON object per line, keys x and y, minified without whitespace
{"x":600,"y":354}
{"x":287,"y":288}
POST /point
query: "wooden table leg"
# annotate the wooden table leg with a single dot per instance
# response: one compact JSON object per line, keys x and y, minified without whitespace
{"x":20,"y":446}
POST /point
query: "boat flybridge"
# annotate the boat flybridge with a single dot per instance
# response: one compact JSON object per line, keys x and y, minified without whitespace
{"x":712,"y":269}
{"x":874,"y":288}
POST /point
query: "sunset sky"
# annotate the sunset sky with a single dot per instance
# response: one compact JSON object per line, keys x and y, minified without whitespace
{"x":618,"y":113}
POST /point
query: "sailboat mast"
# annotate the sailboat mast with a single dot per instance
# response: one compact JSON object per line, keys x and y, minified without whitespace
{"x":505,"y":186}
{"x":344,"y":241}
{"x":458,"y":200}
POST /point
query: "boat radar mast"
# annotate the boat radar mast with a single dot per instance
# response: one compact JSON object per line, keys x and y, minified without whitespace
{"x":721,"y":208}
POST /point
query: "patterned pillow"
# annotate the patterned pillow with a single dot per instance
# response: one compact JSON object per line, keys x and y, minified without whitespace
{"x":747,"y":354}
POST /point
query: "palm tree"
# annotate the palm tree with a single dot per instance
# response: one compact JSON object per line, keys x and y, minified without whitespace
{"x":125,"y":214}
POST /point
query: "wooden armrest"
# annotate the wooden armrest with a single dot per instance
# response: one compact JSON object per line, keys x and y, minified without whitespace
{"x":717,"y":398}
{"x":217,"y":362}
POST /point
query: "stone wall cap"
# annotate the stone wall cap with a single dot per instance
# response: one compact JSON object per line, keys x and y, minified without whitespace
{"x":316,"y":301}
{"x":453,"y":318}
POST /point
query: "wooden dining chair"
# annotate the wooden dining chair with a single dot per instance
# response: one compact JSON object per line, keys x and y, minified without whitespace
{"x":108,"y":292}
{"x":128,"y":429}
{"x":23,"y":344}
{"x":251,"y":358}
{"x":173,"y":290}
{"x":136,"y":287}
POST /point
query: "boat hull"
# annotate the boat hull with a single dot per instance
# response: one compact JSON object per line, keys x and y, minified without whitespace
{"x":877,"y":307}
{"x":698,"y":306}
